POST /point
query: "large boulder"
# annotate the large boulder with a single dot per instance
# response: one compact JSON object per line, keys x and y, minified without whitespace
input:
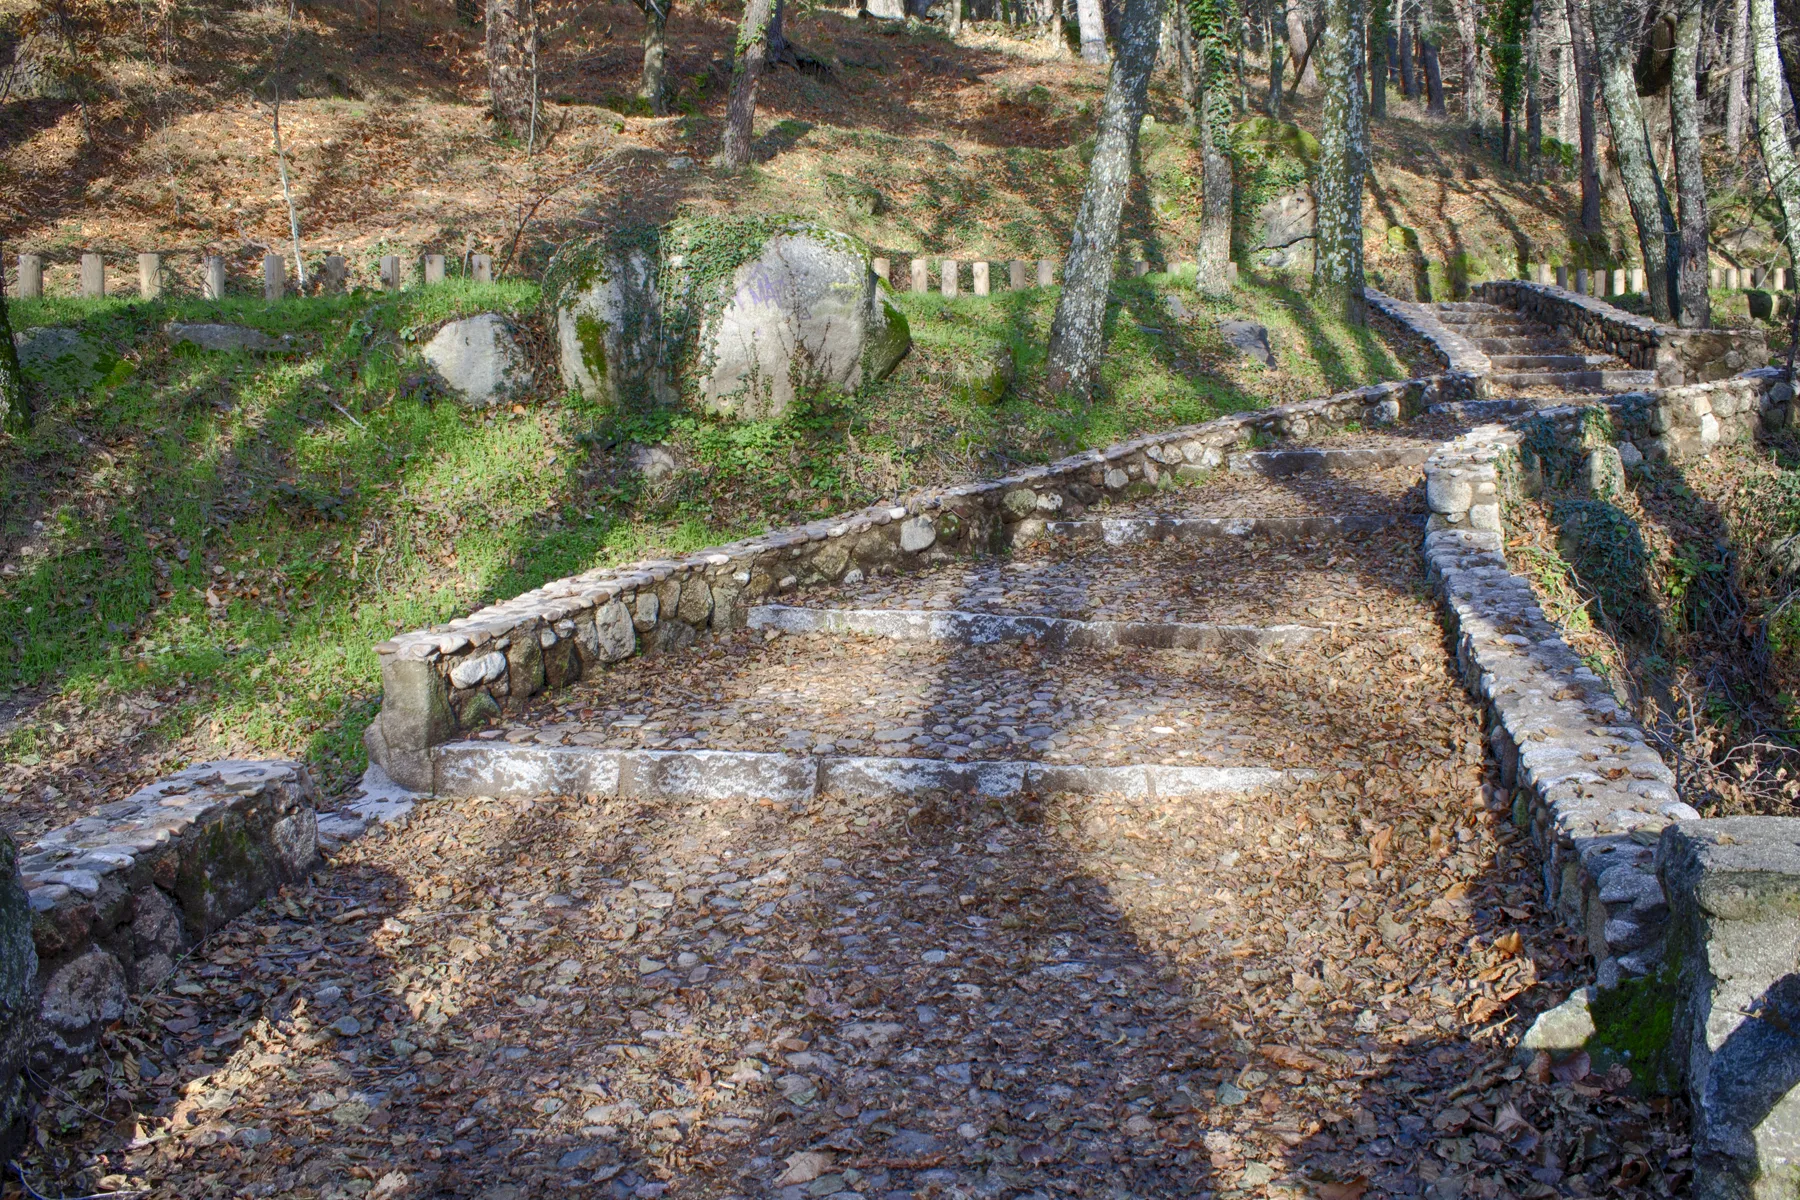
{"x":804,"y":312}
{"x":55,"y":354}
{"x":608,"y":322}
{"x":479,"y":359}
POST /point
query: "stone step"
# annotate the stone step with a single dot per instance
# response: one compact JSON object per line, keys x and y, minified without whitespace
{"x":503,"y":770}
{"x":1485,"y":327}
{"x":1335,"y":460}
{"x":983,"y":629}
{"x":1524,"y":345}
{"x":1453,"y":307}
{"x":1577,"y":381}
{"x":1550,"y":362}
{"x":1126,"y":531}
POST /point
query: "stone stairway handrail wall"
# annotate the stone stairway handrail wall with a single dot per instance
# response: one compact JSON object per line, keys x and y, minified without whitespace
{"x":440,"y":681}
{"x":1678,"y":356}
{"x":1457,"y":353}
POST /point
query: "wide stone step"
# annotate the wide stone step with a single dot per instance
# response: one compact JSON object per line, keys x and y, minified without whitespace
{"x":1128,"y":531}
{"x":1448,"y":308}
{"x":1492,"y":346}
{"x":1335,"y":460}
{"x":500,"y":769}
{"x":1482,"y":328}
{"x":1577,"y":381}
{"x":984,"y":629}
{"x":1549,"y":362}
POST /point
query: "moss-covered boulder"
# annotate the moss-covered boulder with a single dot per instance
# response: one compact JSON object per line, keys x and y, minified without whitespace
{"x":802,"y":313}
{"x":603,"y":295}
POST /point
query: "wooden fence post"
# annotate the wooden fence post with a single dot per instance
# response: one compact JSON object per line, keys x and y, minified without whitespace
{"x":390,"y":272}
{"x":980,"y":271}
{"x":484,"y":267}
{"x":1637,"y":279}
{"x":947,"y":280}
{"x":434,"y":268}
{"x":1618,"y":281}
{"x":93,"y":275}
{"x":1046,"y":275}
{"x":1562,"y":276}
{"x":337,"y":272}
{"x":1015,"y":274}
{"x":921,"y":276}
{"x":31,"y":276}
{"x":274,"y":278}
{"x":212,"y":284}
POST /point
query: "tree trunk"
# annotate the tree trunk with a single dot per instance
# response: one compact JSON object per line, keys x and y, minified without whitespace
{"x":1212,"y":38}
{"x":1092,"y":21}
{"x":1615,"y":41}
{"x":1468,"y":31}
{"x":1434,"y":76}
{"x":653,"y":84}
{"x":1182,"y":32}
{"x":1409,"y":76}
{"x":1771,"y":131}
{"x":511,"y":45}
{"x":1690,"y":181}
{"x":1343,"y":163}
{"x":1738,"y":59}
{"x":1581,"y":50}
{"x":15,"y":405}
{"x":1300,"y":48}
{"x":1381,"y":36}
{"x":746,"y":70}
{"x":954,"y":18}
{"x":1534,"y":104}
{"x":1277,"y":27}
{"x":1566,"y":103}
{"x":1078,"y":329}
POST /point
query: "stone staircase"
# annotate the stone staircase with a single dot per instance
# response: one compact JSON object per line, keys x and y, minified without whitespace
{"x":1534,"y":360}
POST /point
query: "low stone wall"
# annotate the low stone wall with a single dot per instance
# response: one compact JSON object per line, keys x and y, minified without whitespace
{"x":116,"y":897}
{"x":1680,"y":423}
{"x":458,"y":676}
{"x":1458,"y":355}
{"x":1678,"y":356}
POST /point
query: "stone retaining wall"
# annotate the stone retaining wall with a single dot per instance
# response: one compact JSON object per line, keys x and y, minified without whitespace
{"x":115,"y":898}
{"x":1678,"y":356}
{"x":1458,"y":355}
{"x":459,"y":676}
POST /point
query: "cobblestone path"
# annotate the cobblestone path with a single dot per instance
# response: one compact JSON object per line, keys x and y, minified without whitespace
{"x":1310,"y":984}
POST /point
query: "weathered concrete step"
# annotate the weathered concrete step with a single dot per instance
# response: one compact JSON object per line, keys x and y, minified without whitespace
{"x":1577,"y":381}
{"x":502,"y":769}
{"x":985,"y":629}
{"x":1125,"y":531}
{"x":1549,"y":362}
{"x":1332,"y":460}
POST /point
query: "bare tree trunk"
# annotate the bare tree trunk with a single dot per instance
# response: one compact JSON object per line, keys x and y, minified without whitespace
{"x":1736,"y":97}
{"x":15,"y":404}
{"x":1277,"y":30}
{"x":1566,"y":102}
{"x":1381,"y":37}
{"x":1182,"y":33}
{"x":1434,"y":76}
{"x":1771,"y":132}
{"x":1211,"y":41}
{"x":1077,"y":332}
{"x":954,"y":18}
{"x":1092,"y":22}
{"x":1468,"y":32}
{"x":1343,"y":163}
{"x":1534,"y":104}
{"x":752,"y":55}
{"x":1580,"y":49}
{"x":511,"y":43}
{"x":1690,"y":181}
{"x":1615,"y":40}
{"x":1300,"y":48}
{"x":653,"y":84}
{"x":1409,"y":76}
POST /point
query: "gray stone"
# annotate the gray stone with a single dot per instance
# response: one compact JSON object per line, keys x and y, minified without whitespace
{"x":655,"y":463}
{"x":79,"y":998}
{"x":479,"y":359}
{"x":1248,"y":339}
{"x":1286,"y":220}
{"x":806,"y":313}
{"x":52,"y":352}
{"x":1604,"y":473}
{"x":614,"y":631}
{"x":917,"y":534}
{"x":608,"y":321}
{"x":985,"y":377}
{"x":1565,"y":1028}
{"x":224,"y":338}
{"x":1733,"y":887}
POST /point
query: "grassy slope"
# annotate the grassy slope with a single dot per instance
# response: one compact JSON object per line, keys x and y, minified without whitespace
{"x":202,"y":548}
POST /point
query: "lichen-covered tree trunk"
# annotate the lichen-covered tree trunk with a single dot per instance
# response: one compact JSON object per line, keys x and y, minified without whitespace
{"x":1616,"y":27}
{"x":1343,"y":162}
{"x":1434,"y":74}
{"x":1078,"y":329}
{"x":752,"y":55}
{"x":1090,"y":19}
{"x":1771,"y":133}
{"x":1690,"y":181}
{"x":511,"y":46}
{"x":1534,"y":102}
{"x":1277,"y":31}
{"x":653,"y":83}
{"x":15,"y":406}
{"x":1737,"y":100}
{"x":1581,"y":50}
{"x":1468,"y":32}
